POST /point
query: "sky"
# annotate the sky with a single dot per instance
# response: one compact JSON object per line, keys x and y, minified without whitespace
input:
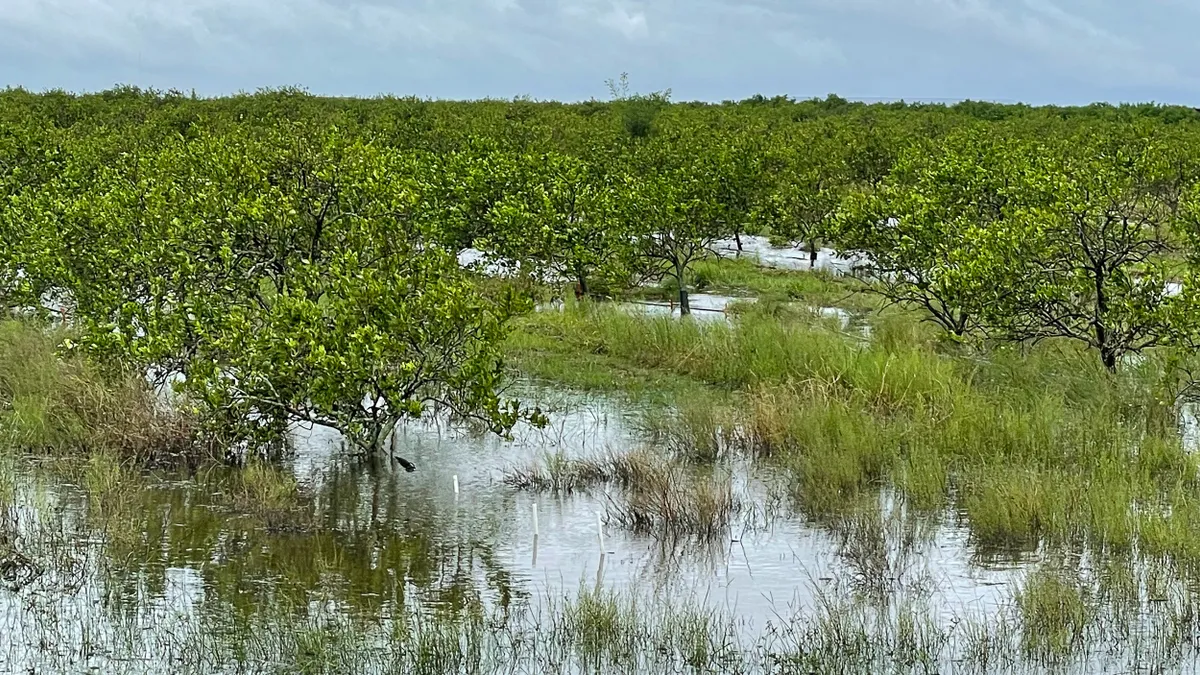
{"x":1034,"y":51}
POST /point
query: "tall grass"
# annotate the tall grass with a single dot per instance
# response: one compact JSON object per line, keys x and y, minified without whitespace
{"x":55,"y":404}
{"x":1028,"y":445}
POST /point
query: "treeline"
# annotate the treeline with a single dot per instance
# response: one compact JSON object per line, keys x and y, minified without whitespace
{"x":294,"y":257}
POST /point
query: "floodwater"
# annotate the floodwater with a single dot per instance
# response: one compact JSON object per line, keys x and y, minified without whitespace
{"x":704,"y":306}
{"x":789,"y":257}
{"x":389,"y":537}
{"x":753,"y":246}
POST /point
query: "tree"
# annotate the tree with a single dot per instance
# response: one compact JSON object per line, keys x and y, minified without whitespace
{"x":638,"y":111}
{"x":937,"y":231}
{"x":298,"y":276}
{"x":812,"y":179}
{"x":742,"y":182}
{"x":1095,"y":268}
{"x":562,"y":222}
{"x":674,"y":211}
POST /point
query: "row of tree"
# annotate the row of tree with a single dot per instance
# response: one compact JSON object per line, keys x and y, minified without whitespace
{"x":294,"y":258}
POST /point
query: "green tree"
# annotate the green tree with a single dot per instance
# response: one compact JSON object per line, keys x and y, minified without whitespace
{"x":812,"y":178}
{"x":935,"y":233}
{"x":638,"y":112}
{"x":674,"y":211}
{"x":1096,"y":270}
{"x":298,"y":276}
{"x":563,"y":223}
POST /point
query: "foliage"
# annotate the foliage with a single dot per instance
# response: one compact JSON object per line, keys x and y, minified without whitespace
{"x":563,"y":223}
{"x":1093,"y":267}
{"x":922,"y":228}
{"x":293,"y":256}
{"x":812,"y":177}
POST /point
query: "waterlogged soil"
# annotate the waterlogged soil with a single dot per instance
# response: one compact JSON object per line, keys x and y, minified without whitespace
{"x":383,"y":538}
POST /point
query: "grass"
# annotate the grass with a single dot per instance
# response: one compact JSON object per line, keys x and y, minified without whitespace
{"x":661,"y":496}
{"x":699,"y":429}
{"x":60,"y":405}
{"x":1055,"y":613}
{"x":1029,"y":446}
{"x":669,"y":503}
{"x":1032,"y":450}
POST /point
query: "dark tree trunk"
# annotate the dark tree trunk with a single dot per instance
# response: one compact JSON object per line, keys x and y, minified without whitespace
{"x":1109,"y":356}
{"x":1108,"y":352}
{"x":581,"y":288}
{"x":812,"y":255}
{"x":684,"y":308}
{"x":737,"y":237}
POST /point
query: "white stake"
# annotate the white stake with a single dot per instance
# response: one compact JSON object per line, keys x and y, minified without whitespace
{"x":600,"y":532}
{"x":536,"y":531}
{"x":456,"y":485}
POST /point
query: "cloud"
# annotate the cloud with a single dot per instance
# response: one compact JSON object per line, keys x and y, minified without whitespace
{"x":1011,"y":49}
{"x":631,"y":24}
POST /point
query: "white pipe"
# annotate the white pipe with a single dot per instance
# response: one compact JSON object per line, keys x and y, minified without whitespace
{"x":536,"y":531}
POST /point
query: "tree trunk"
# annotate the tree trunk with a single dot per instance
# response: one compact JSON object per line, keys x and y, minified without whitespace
{"x":684,"y":308}
{"x":581,"y":288}
{"x":737,"y":237}
{"x":1109,"y":356}
{"x":1108,"y":352}
{"x":812,"y":255}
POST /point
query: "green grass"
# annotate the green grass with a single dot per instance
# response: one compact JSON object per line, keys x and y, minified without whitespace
{"x":61,"y":405}
{"x":1027,"y":446}
{"x":745,"y":277}
{"x":1055,"y":613}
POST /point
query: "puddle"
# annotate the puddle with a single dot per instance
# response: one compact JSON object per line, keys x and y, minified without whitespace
{"x":704,"y":306}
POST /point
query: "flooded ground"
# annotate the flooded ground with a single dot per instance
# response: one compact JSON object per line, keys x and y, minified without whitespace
{"x":788,"y":258}
{"x":390,"y":538}
{"x":753,"y":246}
{"x":171,"y":578}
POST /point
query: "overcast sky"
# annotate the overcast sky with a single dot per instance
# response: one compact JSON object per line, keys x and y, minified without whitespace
{"x":1037,"y":51}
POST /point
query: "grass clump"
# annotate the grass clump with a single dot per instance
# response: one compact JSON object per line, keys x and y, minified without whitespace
{"x":562,"y":474}
{"x":668,"y":503}
{"x":660,"y":496}
{"x":61,"y":405}
{"x":1055,"y":613}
